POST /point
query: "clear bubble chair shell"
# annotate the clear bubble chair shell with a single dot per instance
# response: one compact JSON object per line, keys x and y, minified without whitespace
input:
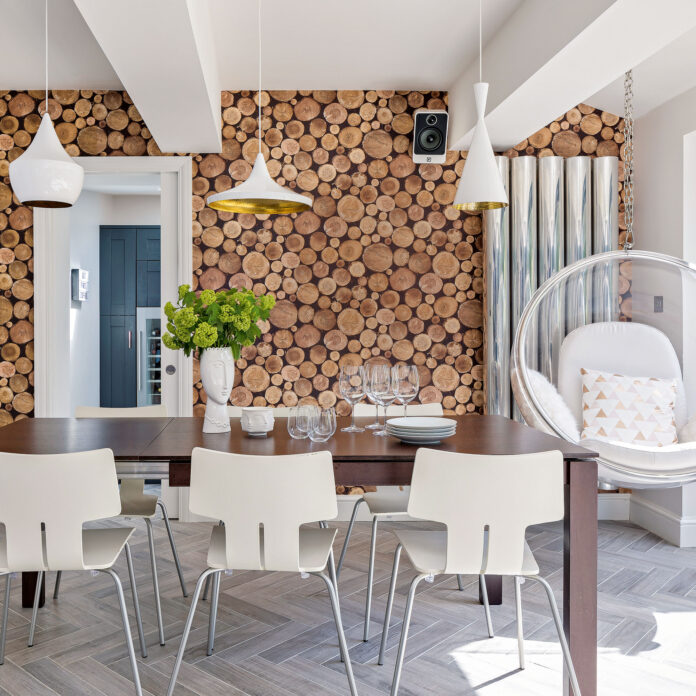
{"x":626,"y":312}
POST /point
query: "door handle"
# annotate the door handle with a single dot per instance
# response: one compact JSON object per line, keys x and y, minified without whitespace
{"x":130,"y":340}
{"x":138,"y":361}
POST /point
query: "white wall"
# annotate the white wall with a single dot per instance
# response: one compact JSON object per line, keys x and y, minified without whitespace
{"x":81,"y":225}
{"x":660,"y":177}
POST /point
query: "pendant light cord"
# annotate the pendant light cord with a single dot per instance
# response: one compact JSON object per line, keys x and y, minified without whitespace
{"x":480,"y":42}
{"x":46,"y":51}
{"x":259,"y":75}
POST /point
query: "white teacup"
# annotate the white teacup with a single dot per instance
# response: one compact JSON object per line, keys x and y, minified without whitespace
{"x":257,"y":421}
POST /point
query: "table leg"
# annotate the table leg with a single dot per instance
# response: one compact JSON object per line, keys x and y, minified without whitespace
{"x":29,"y":589}
{"x":580,"y":571}
{"x":494,"y":587}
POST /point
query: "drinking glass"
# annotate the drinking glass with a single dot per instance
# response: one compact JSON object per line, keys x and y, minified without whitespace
{"x":382,"y":389}
{"x":322,"y":424}
{"x":368,"y":372}
{"x":406,"y":381}
{"x":299,"y":421}
{"x":351,"y":384}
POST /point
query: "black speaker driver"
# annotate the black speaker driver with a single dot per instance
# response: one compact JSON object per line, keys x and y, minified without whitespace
{"x":430,"y":139}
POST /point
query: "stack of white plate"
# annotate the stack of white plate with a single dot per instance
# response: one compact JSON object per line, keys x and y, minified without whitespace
{"x":421,"y":430}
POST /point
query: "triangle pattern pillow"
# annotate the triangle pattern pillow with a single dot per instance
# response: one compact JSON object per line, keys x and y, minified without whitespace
{"x":636,"y":410}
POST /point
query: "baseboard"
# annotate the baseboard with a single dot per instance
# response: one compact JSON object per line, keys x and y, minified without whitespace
{"x":613,"y":506}
{"x":680,"y":531}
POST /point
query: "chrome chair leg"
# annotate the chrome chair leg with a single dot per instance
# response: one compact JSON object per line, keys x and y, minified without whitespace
{"x":187,"y":629}
{"x":460,"y":583}
{"x":56,"y":587}
{"x":155,"y":581}
{"x":520,"y":627}
{"x":404,"y":634}
{"x":5,"y":613}
{"x":206,"y":589}
{"x":213,"y":612}
{"x":332,"y":575}
{"x":35,"y":608}
{"x":126,"y":629}
{"x":561,"y":634}
{"x":370,"y":577}
{"x":339,"y":630}
{"x":486,"y":605}
{"x":348,"y":533}
{"x":136,"y":603}
{"x":390,"y":602}
{"x":177,"y":563}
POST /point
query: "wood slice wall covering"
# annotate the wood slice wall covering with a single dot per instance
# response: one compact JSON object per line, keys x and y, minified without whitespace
{"x":380,"y":268}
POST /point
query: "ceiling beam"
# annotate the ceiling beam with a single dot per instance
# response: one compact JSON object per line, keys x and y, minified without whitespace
{"x":163,"y":53}
{"x":536,"y":74}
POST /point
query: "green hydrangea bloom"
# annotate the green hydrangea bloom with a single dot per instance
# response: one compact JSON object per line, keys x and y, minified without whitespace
{"x":183,"y":334}
{"x":266,"y":302}
{"x":205,"y":335}
{"x":226,"y":314}
{"x":185,"y":318}
{"x":242,"y":323}
{"x":183,"y":289}
{"x":169,"y":310}
{"x":208,"y":297}
{"x":170,"y":342}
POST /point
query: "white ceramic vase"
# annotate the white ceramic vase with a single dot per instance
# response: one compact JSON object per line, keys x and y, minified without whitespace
{"x":217,"y":376}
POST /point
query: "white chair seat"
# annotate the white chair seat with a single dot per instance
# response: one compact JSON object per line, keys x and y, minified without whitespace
{"x":388,"y":502}
{"x":428,"y":552}
{"x":101,"y":547}
{"x":315,"y":545}
{"x":142,"y":506}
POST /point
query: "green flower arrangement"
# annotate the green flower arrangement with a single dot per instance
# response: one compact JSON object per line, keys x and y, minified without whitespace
{"x":224,"y":319}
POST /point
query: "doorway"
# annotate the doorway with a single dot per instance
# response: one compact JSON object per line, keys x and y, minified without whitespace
{"x":148,"y":201}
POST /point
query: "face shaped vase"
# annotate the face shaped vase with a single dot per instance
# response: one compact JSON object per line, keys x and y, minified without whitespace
{"x":217,"y":376}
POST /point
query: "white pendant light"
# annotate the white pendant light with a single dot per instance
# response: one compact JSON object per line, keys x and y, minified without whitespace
{"x":259,"y":193}
{"x":481,"y":186}
{"x":45,"y":176}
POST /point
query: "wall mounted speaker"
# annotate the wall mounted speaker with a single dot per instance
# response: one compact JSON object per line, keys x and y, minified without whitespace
{"x":430,"y":136}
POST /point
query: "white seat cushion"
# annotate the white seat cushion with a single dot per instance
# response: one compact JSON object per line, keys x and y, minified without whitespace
{"x":428,"y":552}
{"x":315,"y":545}
{"x":389,"y":502}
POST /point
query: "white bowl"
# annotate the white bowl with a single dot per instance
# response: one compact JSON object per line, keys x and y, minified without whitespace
{"x":257,"y":421}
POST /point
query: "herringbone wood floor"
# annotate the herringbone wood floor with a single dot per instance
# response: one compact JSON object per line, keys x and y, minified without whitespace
{"x":276,"y":636}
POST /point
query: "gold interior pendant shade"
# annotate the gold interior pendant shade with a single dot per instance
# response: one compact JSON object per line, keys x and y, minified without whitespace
{"x":259,"y":195}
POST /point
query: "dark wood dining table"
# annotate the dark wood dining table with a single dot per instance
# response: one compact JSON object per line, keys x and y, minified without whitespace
{"x":149,"y":447}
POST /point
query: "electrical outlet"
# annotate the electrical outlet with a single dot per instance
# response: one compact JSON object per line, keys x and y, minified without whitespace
{"x":659,"y":304}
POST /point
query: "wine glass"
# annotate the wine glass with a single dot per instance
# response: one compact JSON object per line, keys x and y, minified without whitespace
{"x":351,"y":384}
{"x":383,"y":391}
{"x":406,"y":381}
{"x":322,"y":424}
{"x":368,"y":372}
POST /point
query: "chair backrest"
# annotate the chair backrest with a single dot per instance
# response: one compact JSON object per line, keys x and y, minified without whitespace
{"x":252,"y":496}
{"x":62,"y":491}
{"x":278,"y":411}
{"x":156,"y":411}
{"x":626,"y":348}
{"x":364,"y":410}
{"x":486,"y":502}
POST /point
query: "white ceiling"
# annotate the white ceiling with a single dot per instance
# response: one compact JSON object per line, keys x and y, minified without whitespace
{"x":174,"y":56}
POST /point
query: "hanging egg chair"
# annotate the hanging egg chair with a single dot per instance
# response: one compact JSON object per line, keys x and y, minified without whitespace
{"x":631,"y":313}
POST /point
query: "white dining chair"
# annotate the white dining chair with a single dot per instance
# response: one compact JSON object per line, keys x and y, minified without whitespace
{"x":486,"y":527}
{"x":262,"y":527}
{"x":385,"y":504}
{"x":136,"y":503}
{"x":43,"y":509}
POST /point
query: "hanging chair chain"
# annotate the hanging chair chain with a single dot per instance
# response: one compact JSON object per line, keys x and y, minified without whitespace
{"x":628,"y":159}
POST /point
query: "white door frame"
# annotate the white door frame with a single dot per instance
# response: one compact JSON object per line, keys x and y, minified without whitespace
{"x":177,"y":268}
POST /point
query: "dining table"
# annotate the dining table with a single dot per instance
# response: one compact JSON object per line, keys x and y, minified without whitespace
{"x":158,"y":448}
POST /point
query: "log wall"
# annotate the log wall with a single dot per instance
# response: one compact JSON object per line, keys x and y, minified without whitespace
{"x":380,"y":268}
